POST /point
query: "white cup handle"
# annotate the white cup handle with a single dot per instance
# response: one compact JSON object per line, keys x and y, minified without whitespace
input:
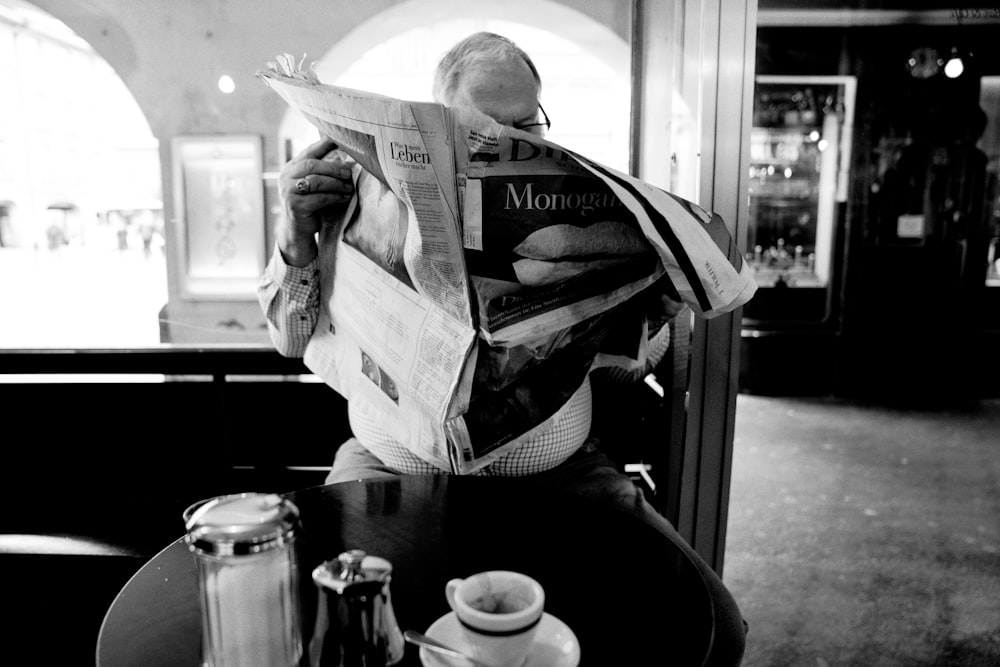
{"x":449,"y":591}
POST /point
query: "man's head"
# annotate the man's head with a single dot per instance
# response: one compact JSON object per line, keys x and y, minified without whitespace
{"x":492,"y":74}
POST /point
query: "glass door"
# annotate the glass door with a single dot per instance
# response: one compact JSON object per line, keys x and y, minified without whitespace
{"x":913,"y":194}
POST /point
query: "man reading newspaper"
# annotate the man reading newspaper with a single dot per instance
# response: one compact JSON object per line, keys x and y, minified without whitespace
{"x":529,"y":410}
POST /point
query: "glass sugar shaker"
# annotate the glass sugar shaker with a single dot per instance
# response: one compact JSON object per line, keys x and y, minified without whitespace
{"x":244,"y":547}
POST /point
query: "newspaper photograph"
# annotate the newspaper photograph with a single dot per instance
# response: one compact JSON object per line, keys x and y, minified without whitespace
{"x":480,"y":272}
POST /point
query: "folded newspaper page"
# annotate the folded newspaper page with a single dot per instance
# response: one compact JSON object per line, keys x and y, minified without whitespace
{"x":480,"y":272}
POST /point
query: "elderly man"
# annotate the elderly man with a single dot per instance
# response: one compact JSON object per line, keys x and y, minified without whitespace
{"x":491,"y":74}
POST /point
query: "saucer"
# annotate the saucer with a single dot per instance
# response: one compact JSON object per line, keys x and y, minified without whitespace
{"x":554,"y":645}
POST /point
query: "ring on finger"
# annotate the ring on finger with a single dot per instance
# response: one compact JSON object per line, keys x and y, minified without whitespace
{"x":302,"y":186}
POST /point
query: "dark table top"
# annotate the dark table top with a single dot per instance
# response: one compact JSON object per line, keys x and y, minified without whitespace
{"x":628,"y":593}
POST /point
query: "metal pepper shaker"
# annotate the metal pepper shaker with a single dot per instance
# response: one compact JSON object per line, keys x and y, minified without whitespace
{"x":244,"y":547}
{"x":355,"y":622}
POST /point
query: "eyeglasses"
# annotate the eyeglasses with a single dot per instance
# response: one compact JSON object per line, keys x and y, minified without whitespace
{"x":547,"y":123}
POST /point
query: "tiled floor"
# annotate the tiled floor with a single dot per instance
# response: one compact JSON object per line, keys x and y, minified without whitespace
{"x":865,"y":536}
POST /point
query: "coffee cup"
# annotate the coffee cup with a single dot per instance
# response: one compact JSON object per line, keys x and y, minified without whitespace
{"x":499,"y":612}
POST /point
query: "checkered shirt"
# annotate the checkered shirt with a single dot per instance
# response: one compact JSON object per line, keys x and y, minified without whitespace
{"x":289,"y":296}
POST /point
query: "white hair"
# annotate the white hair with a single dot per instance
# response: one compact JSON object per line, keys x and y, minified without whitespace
{"x":476,"y":48}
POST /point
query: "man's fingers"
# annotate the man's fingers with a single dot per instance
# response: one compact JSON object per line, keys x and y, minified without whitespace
{"x":320,"y":183}
{"x":317,"y":149}
{"x":327,"y":199}
{"x":312,"y":204}
{"x":299,"y":168}
{"x":329,"y":182}
{"x":317,"y":184}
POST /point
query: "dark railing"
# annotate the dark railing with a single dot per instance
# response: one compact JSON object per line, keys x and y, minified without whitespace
{"x":166,"y":359}
{"x":222,"y":420}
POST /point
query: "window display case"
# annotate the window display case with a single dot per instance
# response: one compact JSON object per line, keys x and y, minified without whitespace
{"x":799,"y":158}
{"x":989,"y":143}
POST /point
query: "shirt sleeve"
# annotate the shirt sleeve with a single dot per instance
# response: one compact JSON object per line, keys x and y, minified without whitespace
{"x":289,"y":297}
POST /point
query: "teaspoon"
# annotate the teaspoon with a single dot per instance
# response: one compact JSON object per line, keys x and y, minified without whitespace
{"x":432,"y":644}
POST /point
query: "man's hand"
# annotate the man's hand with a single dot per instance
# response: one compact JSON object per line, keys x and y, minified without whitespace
{"x":660,"y":309}
{"x":312,"y":189}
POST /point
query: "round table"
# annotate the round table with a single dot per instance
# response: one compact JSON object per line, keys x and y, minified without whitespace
{"x":628,"y":593}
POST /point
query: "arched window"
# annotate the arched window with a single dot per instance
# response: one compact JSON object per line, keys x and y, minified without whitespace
{"x":81,"y":259}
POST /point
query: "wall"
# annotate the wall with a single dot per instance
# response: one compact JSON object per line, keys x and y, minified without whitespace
{"x":171,"y":55}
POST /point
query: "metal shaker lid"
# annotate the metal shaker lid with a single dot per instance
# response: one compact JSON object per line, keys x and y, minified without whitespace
{"x":240,"y":524}
{"x":352,"y":568}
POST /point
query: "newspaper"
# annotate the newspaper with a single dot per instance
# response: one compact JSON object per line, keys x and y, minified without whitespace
{"x":481,"y":271}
